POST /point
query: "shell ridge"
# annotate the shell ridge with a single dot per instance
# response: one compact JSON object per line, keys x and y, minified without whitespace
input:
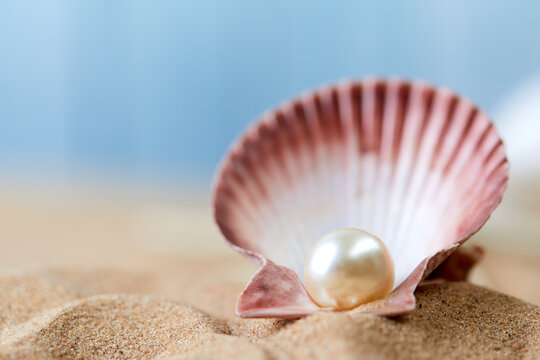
{"x":427,"y":147}
{"x":436,"y":186}
{"x":274,"y":163}
{"x":402,"y":167}
{"x":459,"y":148}
{"x":345,"y":93}
{"x":368,"y":165}
{"x":459,"y":173}
{"x":309,"y":157}
{"x":421,"y":108}
{"x":386,"y":160}
{"x":402,"y":98}
{"x":384,"y":109}
{"x":296,"y":167}
{"x":356,"y":161}
{"x":287,"y":164}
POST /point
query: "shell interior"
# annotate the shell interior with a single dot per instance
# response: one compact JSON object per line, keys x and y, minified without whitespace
{"x":419,"y":167}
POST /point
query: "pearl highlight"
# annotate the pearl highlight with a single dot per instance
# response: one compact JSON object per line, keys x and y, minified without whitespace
{"x":347,"y":268}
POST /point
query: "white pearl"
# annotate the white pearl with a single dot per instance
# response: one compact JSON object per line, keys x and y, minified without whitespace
{"x":348,"y":267}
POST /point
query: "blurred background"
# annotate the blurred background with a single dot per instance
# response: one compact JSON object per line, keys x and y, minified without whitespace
{"x":114,"y":114}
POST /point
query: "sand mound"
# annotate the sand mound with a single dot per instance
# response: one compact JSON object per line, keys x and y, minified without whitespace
{"x":23,"y":297}
{"x":55,"y":316}
{"x":116,"y":326}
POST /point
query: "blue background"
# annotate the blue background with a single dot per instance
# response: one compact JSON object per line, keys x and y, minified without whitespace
{"x":159,"y":89}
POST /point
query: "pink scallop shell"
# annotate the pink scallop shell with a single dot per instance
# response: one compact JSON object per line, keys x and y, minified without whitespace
{"x":418,"y":166}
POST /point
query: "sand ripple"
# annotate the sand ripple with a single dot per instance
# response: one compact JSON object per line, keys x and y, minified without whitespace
{"x":44,"y":319}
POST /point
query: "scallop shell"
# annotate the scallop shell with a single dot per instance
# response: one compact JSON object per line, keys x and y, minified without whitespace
{"x":418,"y":166}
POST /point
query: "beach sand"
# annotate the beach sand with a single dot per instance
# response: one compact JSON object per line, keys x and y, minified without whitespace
{"x":108,"y":281}
{"x":183,"y":308}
